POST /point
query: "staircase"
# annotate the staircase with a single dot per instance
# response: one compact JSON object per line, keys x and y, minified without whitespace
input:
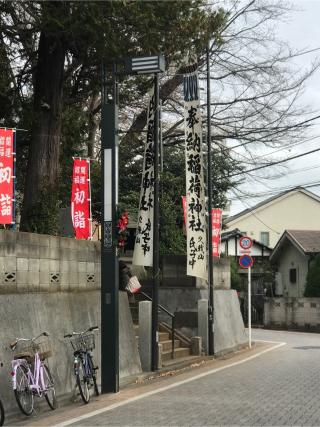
{"x":182,"y":344}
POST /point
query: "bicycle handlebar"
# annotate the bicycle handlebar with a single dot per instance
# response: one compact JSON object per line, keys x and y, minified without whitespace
{"x":92,"y":328}
{"x":14,"y":343}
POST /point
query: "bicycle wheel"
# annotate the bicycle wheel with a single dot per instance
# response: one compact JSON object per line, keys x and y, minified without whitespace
{"x":23,"y":394}
{"x":93,"y":374}
{"x":82,"y":382}
{"x":2,"y":417}
{"x":48,"y":385}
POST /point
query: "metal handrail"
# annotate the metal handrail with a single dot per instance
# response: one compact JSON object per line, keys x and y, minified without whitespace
{"x":172,"y":321}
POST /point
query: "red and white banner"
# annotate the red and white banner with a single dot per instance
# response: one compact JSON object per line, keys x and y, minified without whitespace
{"x":80,"y":199}
{"x":6,"y":176}
{"x":216,"y":231}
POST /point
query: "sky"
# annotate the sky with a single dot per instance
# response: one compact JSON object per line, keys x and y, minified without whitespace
{"x":301,"y":30}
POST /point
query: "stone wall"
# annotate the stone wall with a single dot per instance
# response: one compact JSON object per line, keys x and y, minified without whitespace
{"x":292,"y":313}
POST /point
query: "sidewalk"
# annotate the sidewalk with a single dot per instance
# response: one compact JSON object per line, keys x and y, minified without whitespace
{"x":146,"y":384}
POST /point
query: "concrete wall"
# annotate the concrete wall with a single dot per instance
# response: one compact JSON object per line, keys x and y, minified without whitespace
{"x":292,"y":313}
{"x":293,"y":211}
{"x":288,"y":258}
{"x":230,"y":333}
{"x":51,"y":283}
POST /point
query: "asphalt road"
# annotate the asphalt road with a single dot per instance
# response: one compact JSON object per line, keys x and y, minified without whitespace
{"x":281,"y":387}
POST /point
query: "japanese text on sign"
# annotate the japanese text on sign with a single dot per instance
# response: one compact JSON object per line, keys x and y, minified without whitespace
{"x":80,"y":199}
{"x":216,"y":231}
{"x":6,"y":176}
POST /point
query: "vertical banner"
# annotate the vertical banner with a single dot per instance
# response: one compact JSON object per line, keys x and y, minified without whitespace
{"x":184,"y":207}
{"x":7,"y":176}
{"x":195,"y":192}
{"x":143,"y":248}
{"x":80,"y":199}
{"x":216,"y":231}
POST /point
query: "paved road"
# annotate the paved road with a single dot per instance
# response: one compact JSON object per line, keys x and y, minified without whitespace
{"x":281,"y":387}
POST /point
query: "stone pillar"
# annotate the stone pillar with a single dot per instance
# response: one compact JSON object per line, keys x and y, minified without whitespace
{"x":203,"y":322}
{"x":145,"y":324}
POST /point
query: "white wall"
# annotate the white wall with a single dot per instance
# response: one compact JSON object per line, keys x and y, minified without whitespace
{"x":295,"y":211}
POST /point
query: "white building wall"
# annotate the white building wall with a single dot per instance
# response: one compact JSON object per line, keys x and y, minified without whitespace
{"x":295,"y":211}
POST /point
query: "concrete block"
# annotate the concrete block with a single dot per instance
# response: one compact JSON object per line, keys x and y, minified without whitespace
{"x":90,"y":256}
{"x":21,"y":251}
{"x":64,"y":278}
{"x":10,"y":263}
{"x":44,"y":277}
{"x":43,"y":240}
{"x":82,"y":254}
{"x":54,"y":242}
{"x":33,"y":278}
{"x":34,"y":265}
{"x":22,"y":264}
{"x":82,"y":279}
{"x":203,"y":322}
{"x":73,"y":266}
{"x":145,"y":325}
{"x":54,"y":265}
{"x":54,"y":253}
{"x":33,"y":251}
{"x":73,"y":255}
{"x":196,"y":346}
{"x":64,"y":254}
{"x":159,"y":355}
{"x":24,"y":238}
{"x":65,"y":243}
{"x":22,"y":277}
{"x":44,"y":287}
{"x":44,"y":252}
{"x":82,"y":267}
{"x":64,"y":266}
{"x":90,"y":267}
{"x":2,"y":263}
{"x":73,"y":278}
{"x":44,"y":265}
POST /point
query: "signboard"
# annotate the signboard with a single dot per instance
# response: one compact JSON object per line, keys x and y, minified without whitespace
{"x":246,"y":261}
{"x":143,"y":247}
{"x":245,"y":242}
{"x":216,"y":221}
{"x":6,"y":176}
{"x":80,"y":199}
{"x":195,"y":191}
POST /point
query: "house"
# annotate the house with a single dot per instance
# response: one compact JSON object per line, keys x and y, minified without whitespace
{"x":230,"y":245}
{"x":296,"y":209}
{"x":291,"y":256}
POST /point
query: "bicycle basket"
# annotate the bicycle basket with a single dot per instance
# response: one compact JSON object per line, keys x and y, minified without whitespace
{"x":83,"y":342}
{"x":26,"y":350}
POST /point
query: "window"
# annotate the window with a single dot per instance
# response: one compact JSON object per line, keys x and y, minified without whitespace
{"x":264,"y":238}
{"x":293,"y":275}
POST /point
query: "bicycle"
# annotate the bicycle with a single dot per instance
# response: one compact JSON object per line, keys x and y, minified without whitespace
{"x":30,"y":374}
{"x":83,"y":343}
{"x":2,"y":414}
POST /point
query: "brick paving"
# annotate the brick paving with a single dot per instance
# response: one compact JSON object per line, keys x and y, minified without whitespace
{"x":279,"y":388}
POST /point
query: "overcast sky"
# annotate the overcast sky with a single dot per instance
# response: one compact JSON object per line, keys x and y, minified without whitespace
{"x":302,"y":31}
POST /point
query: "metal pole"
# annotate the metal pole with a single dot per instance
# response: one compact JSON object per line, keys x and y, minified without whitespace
{"x":109,"y":261}
{"x":249,"y":305}
{"x":156,"y":270}
{"x":209,"y":185}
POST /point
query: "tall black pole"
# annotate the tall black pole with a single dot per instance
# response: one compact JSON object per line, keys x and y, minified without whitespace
{"x":109,"y":261}
{"x":209,"y":184}
{"x":156,"y":269}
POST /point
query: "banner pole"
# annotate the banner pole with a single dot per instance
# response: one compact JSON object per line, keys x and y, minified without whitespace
{"x":249,"y":305}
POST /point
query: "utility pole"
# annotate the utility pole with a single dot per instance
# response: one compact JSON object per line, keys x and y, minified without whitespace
{"x":209,"y":186}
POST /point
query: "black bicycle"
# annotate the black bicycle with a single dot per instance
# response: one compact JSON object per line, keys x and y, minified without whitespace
{"x":83,"y":343}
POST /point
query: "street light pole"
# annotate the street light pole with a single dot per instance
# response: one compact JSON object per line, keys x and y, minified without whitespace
{"x":156,"y":269}
{"x":209,"y":184}
{"x":109,"y":261}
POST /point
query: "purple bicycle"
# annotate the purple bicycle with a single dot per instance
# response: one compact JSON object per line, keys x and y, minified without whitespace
{"x":30,"y":373}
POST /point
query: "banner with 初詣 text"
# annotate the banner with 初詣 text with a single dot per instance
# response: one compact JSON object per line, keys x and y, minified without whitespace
{"x":143,"y":247}
{"x":80,"y":199}
{"x":216,"y":221}
{"x":6,"y":176}
{"x":195,"y":193}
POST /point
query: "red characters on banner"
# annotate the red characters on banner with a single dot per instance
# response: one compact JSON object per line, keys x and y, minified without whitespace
{"x":80,"y":199}
{"x":216,"y":231}
{"x":6,"y":176}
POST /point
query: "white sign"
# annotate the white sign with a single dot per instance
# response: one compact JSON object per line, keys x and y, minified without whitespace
{"x":143,"y":248}
{"x":195,"y":196}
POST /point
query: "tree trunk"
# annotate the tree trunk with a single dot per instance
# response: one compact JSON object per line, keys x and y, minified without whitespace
{"x":40,"y":203}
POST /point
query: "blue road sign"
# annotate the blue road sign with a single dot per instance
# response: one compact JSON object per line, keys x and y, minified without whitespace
{"x":246,"y":261}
